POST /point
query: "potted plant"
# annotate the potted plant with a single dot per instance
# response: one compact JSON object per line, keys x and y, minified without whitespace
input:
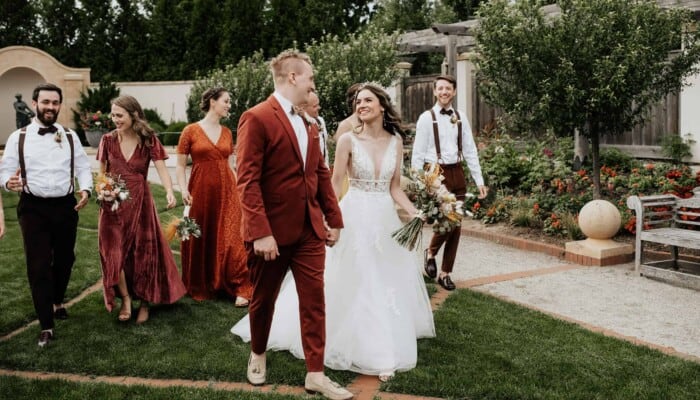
{"x":95,"y":124}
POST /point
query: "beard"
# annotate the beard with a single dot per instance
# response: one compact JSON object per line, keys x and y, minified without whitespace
{"x":46,"y":117}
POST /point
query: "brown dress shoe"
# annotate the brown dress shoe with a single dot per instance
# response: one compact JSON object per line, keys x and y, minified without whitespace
{"x":446,"y":282}
{"x":430,"y":266}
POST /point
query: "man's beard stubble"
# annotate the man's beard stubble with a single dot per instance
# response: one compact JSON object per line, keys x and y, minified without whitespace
{"x":48,"y":121}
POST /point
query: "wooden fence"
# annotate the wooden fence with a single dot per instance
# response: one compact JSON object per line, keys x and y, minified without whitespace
{"x":642,"y":141}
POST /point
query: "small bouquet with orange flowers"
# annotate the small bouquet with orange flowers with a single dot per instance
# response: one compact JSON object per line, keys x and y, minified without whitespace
{"x":111,"y":189}
{"x":183,"y":228}
{"x":437,"y":206}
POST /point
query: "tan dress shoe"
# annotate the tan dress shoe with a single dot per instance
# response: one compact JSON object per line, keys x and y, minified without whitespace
{"x":326,"y":387}
{"x":256,"y":370}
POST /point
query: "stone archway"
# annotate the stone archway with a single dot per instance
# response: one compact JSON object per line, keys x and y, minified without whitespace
{"x":21,"y":69}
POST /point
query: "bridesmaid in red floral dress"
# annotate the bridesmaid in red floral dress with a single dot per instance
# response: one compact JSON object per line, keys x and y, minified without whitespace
{"x":214,"y":264}
{"x":136,"y":259}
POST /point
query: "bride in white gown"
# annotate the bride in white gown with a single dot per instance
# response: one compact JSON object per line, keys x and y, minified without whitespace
{"x":376,"y":301}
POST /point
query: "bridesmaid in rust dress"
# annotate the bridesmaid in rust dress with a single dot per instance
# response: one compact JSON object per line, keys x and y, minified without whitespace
{"x":136,"y":259}
{"x":214,"y":264}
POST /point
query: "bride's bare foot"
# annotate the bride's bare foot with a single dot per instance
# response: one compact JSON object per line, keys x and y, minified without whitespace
{"x":125,"y":310}
{"x":143,"y":313}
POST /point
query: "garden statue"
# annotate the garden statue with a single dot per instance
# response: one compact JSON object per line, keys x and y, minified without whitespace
{"x":23,"y":114}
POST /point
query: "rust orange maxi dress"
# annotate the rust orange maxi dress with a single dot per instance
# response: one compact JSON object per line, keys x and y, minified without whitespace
{"x":214,"y":264}
{"x":131,"y":238}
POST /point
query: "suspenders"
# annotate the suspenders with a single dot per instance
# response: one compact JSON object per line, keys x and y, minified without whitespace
{"x":437,"y":136}
{"x":23,"y":170}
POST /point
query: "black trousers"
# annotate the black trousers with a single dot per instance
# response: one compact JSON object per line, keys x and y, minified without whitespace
{"x":49,"y":227}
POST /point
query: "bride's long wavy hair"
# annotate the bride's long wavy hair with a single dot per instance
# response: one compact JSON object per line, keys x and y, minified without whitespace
{"x":138,"y":118}
{"x":391,"y":121}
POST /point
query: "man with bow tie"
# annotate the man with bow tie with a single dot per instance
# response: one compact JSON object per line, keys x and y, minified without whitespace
{"x":41,"y":162}
{"x":443,"y":136}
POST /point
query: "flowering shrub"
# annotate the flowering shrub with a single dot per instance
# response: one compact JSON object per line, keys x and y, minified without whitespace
{"x":540,"y":172}
{"x":96,"y":121}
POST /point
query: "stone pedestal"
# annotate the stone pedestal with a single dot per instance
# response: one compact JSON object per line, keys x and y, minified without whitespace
{"x":599,"y":220}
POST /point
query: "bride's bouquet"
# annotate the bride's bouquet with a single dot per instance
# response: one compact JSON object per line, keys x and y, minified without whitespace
{"x":436,"y":205}
{"x":111,"y":189}
{"x":183,"y":228}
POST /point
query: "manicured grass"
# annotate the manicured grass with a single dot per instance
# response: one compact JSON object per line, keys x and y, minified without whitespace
{"x":19,"y":389}
{"x":16,"y":299}
{"x":188,"y":340}
{"x":489,"y":349}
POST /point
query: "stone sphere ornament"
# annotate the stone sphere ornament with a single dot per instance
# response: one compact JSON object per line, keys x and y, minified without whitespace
{"x":599,"y":219}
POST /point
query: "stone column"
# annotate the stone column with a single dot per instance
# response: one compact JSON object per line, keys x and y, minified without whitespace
{"x":466,"y":96}
{"x":404,"y":71}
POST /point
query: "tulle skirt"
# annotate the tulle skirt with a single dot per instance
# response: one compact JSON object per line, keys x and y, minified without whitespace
{"x":376,"y":301}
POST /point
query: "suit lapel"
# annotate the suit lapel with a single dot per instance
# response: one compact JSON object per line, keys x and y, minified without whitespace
{"x":281,"y":116}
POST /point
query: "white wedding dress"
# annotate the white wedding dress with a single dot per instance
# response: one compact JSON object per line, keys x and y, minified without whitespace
{"x":376,"y":301}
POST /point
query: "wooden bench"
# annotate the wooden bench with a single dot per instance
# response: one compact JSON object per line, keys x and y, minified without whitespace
{"x":672,"y":221}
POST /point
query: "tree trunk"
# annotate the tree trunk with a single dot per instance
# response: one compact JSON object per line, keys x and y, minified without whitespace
{"x":595,"y":158}
{"x":581,"y":150}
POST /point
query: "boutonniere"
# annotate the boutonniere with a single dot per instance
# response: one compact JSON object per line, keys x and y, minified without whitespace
{"x":58,"y":137}
{"x":453,"y":119}
{"x":310,"y":120}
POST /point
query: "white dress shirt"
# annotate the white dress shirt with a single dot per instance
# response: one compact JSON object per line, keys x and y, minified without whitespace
{"x":46,"y":161}
{"x":297,"y":123}
{"x":424,"y":144}
{"x":323,"y":137}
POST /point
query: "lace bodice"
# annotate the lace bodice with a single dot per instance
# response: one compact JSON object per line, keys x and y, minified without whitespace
{"x":363,"y":174}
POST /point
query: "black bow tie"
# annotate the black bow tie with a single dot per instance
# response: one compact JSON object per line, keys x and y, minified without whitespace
{"x":48,"y":129}
{"x":446,"y":112}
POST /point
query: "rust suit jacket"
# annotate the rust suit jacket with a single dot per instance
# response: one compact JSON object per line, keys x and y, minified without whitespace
{"x":277,"y":192}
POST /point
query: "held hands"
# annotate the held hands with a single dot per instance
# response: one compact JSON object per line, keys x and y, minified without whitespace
{"x":266,"y":247}
{"x":333,"y":234}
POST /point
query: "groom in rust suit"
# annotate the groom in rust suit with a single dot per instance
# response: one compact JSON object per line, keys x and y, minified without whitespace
{"x":285,"y":190}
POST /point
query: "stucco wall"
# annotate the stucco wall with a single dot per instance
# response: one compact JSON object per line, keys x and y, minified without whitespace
{"x":21,"y":69}
{"x":168,"y":98}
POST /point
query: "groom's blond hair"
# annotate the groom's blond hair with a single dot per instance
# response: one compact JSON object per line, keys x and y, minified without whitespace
{"x":286,"y":62}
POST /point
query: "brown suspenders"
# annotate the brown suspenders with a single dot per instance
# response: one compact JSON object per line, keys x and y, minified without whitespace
{"x":436,"y":135}
{"x":23,"y":170}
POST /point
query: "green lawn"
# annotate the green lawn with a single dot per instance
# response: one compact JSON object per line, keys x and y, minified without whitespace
{"x":56,"y":389}
{"x":485,"y":348}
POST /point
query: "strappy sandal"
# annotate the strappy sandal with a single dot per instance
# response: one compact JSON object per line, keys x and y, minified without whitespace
{"x":123,"y":314}
{"x":241,"y":302}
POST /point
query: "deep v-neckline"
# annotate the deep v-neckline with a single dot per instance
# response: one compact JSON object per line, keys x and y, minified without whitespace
{"x":204,"y":132}
{"x":133,"y":153}
{"x":382,"y":159}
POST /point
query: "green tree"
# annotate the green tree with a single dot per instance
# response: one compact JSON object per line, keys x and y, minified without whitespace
{"x":402,"y":15}
{"x":96,"y":40}
{"x":243,"y":30}
{"x":597,"y":67}
{"x":17,"y":24}
{"x":165,"y":19}
{"x":59,"y":27}
{"x":367,"y":56}
{"x":340,"y":62}
{"x":203,"y":36}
